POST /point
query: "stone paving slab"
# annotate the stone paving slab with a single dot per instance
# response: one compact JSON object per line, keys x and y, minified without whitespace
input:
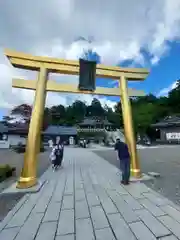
{"x":104,"y":234}
{"x":85,"y":200}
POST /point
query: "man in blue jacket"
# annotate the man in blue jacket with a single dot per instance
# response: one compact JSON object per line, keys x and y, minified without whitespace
{"x":124,"y":157}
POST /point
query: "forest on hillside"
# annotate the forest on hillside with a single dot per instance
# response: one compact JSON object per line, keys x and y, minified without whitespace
{"x":146,"y":111}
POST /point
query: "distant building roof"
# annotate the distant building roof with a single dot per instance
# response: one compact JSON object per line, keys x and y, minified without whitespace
{"x":168,"y":122}
{"x":60,"y":130}
{"x":94,"y":121}
{"x":18,"y":129}
{"x":3,"y":128}
{"x":106,"y":122}
{"x":88,"y":121}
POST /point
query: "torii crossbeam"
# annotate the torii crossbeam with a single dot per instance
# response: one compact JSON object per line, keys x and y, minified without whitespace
{"x":44,"y":66}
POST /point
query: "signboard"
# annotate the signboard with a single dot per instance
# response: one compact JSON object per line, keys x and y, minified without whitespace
{"x":173,"y":136}
{"x":87,"y":75}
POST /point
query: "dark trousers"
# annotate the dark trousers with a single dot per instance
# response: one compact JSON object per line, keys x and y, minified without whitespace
{"x":58,"y":160}
{"x":125,"y":168}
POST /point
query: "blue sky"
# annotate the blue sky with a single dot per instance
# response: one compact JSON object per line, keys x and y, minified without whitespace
{"x":162,"y":75}
{"x":3,"y":112}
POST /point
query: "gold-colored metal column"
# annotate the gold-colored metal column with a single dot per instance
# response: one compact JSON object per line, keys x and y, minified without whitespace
{"x":28,"y":175}
{"x":128,"y":128}
{"x":123,"y":111}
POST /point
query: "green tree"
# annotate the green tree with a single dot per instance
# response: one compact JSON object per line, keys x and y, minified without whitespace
{"x":162,"y":108}
{"x":96,"y":109}
{"x":79,"y":110}
{"x":58,"y":114}
{"x":75,"y":113}
{"x":143,"y":116}
{"x":118,"y":115}
{"x":23,"y":110}
{"x":174,"y":99}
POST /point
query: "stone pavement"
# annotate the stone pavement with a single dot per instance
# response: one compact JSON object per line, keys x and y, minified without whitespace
{"x":85,"y":201}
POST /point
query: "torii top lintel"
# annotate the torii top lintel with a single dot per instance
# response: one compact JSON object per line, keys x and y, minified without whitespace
{"x":29,"y":62}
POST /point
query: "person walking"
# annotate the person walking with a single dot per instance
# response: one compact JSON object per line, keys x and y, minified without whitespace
{"x":57,"y":153}
{"x":124,"y":157}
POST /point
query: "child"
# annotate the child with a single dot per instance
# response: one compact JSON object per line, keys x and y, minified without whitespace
{"x":124,"y":157}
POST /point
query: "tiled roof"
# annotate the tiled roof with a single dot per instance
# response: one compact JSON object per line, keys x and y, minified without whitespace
{"x":88,"y":121}
{"x":18,"y":129}
{"x":3,"y":128}
{"x":60,"y":130}
{"x":106,"y":122}
{"x":92,"y":121}
{"x":168,"y":121}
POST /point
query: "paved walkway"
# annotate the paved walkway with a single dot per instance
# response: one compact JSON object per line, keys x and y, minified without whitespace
{"x":94,"y":147}
{"x":84,"y":201}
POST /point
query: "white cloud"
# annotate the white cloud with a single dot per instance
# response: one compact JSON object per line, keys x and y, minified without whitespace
{"x":121,"y":29}
{"x":165,"y":91}
{"x":155,"y":60}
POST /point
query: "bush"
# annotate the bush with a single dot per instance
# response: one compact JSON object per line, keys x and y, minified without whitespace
{"x":21,"y":148}
{"x":6,"y":171}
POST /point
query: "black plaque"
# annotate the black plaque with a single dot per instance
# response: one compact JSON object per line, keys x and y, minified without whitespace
{"x":87,"y":75}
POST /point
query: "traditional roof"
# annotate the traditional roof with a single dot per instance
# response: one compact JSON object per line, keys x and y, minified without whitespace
{"x":88,"y":121}
{"x":106,"y":122}
{"x":3,"y":128}
{"x":94,"y":121}
{"x":18,"y":129}
{"x":60,"y":130}
{"x":168,"y":122}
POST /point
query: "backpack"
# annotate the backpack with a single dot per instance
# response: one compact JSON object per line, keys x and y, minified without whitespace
{"x":58,"y":150}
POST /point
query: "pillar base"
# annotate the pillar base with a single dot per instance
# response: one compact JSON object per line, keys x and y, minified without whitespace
{"x":26,"y":182}
{"x":14,"y":190}
{"x":136,"y":173}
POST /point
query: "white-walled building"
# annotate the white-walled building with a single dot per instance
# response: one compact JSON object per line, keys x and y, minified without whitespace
{"x":12,"y":136}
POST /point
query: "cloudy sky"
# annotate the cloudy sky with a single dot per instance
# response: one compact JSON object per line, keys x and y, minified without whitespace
{"x":138,"y":33}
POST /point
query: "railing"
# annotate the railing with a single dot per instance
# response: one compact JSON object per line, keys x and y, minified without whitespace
{"x":90,"y":130}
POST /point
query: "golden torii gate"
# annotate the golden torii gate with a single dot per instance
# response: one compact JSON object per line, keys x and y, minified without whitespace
{"x":45,"y":65}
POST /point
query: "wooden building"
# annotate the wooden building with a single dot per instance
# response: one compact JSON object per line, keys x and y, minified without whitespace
{"x":12,"y":135}
{"x":65,"y":133}
{"x":95,"y":124}
{"x":168,"y":130}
